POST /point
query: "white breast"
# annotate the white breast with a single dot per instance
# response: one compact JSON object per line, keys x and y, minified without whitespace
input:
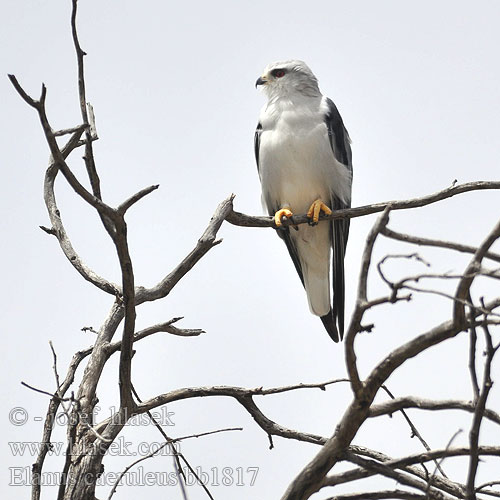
{"x":297,"y":165}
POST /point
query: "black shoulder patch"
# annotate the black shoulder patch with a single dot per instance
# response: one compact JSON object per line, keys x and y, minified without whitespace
{"x":337,"y":133}
{"x":256,"y":143}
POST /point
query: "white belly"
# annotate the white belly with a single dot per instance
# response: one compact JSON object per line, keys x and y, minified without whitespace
{"x":297,"y":166}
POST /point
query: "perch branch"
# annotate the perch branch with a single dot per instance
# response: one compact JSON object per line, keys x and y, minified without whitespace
{"x":239,"y":219}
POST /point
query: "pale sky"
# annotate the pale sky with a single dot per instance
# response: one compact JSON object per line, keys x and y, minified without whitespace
{"x":172,"y":85}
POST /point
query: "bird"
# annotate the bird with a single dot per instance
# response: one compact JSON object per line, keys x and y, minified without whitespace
{"x":304,"y":162}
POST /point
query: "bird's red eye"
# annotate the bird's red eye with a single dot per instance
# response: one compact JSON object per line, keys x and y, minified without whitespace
{"x":280,"y":73}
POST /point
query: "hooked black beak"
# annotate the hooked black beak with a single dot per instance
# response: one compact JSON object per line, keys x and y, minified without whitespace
{"x":260,"y":81}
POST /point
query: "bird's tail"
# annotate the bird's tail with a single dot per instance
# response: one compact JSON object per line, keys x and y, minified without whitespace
{"x":329,"y":322}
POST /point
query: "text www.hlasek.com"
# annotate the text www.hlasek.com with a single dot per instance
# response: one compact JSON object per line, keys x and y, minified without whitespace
{"x":118,"y":448}
{"x":215,"y":476}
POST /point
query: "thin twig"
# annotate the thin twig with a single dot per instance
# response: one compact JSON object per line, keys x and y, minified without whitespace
{"x":389,"y":407}
{"x":135,"y":198}
{"x":487,"y":485}
{"x":153,"y":453}
{"x":54,"y":367}
{"x":47,"y":393}
{"x":406,"y":463}
{"x":418,"y":240}
{"x":175,"y":454}
{"x":414,"y":430}
{"x":378,"y":495}
{"x":400,"y":477}
{"x":440,"y":461}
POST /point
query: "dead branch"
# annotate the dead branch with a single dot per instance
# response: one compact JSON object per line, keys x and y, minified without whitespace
{"x":418,"y":240}
{"x":242,"y":395}
{"x":389,"y":407}
{"x":361,"y":301}
{"x":414,"y":431}
{"x":239,"y":219}
{"x":478,"y":415}
{"x":206,"y":242}
{"x":463,"y":288}
{"x":89,"y":153}
{"x":58,"y":229}
{"x":400,"y":477}
{"x":377,"y":495}
{"x":156,"y":451}
{"x":405,"y":463}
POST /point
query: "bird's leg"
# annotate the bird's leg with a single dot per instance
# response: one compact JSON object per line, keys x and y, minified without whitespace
{"x":315,"y":209}
{"x":282,"y":212}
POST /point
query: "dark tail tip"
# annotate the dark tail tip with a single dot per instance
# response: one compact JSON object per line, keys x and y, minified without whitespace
{"x":330,"y":326}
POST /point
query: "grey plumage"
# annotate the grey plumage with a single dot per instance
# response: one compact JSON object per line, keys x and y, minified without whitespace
{"x":303,"y":154}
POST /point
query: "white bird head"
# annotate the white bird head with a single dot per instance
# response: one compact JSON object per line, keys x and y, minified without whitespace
{"x":288,"y":78}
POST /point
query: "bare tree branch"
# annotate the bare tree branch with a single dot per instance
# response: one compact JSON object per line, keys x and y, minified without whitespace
{"x":418,"y":240}
{"x":129,"y":304}
{"x":205,"y":243}
{"x":71,"y":130}
{"x":243,"y":396}
{"x":309,"y":479}
{"x":239,"y":219}
{"x":472,"y":355}
{"x":58,"y":229}
{"x":486,"y":485}
{"x":463,"y":288}
{"x":432,"y":479}
{"x":377,"y":495}
{"x":39,"y":105}
{"x":135,"y":198}
{"x":400,"y":477}
{"x":405,"y":463}
{"x":396,"y":404}
{"x":361,"y":301}
{"x":89,"y":153}
{"x":175,"y":453}
{"x":478,"y":416}
{"x":157,"y":450}
{"x":414,"y":430}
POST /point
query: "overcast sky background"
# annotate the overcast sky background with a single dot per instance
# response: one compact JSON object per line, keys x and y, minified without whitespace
{"x":172,"y":85}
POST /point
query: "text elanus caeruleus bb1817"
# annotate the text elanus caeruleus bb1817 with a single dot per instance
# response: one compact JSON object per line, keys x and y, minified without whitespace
{"x":304,"y":161}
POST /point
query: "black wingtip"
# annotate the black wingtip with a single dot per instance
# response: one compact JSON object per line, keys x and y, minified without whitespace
{"x":330,"y":326}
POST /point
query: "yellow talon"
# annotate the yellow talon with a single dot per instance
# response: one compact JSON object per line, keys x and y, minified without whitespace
{"x":284,"y":212}
{"x":315,"y":209}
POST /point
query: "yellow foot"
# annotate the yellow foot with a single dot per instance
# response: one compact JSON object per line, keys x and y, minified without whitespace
{"x":284,"y":212}
{"x":315,"y":209}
